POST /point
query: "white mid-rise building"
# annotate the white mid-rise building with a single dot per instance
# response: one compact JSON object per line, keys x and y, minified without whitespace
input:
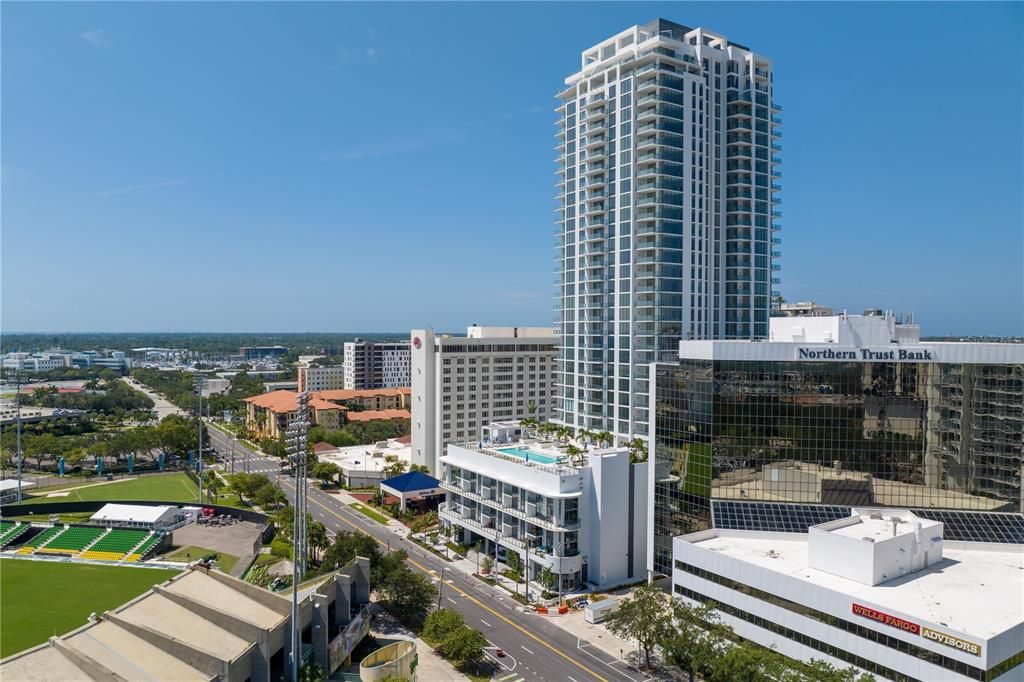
{"x":881,"y":590}
{"x":668,"y":149}
{"x":585,"y":521}
{"x":376,"y":364}
{"x":460,"y":384}
{"x":321,"y":378}
{"x":36,"y":362}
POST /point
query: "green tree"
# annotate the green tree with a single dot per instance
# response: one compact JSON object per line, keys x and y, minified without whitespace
{"x":440,"y":623}
{"x":316,"y":537}
{"x":346,"y":547}
{"x":575,"y":454}
{"x":605,"y":438}
{"x":268,"y":495}
{"x":644,"y":616}
{"x":325,"y":471}
{"x":547,"y":579}
{"x":697,"y":637}
{"x":746,"y":662}
{"x":515,"y":564}
{"x":407,"y":594}
{"x":464,"y":646}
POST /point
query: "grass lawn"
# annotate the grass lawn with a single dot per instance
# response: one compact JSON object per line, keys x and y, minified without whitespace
{"x":366,"y":511}
{"x":190,"y":553}
{"x":155,"y":487}
{"x":41,"y":598}
{"x":74,"y":517}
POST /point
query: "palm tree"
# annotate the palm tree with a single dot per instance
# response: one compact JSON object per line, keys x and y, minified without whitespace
{"x":606,"y":438}
{"x":575,"y":455}
{"x":528,"y":424}
{"x":586,"y":436}
{"x":563,"y":433}
{"x":637,"y":450}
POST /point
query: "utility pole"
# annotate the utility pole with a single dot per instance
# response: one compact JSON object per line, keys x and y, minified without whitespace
{"x":200,"y":379}
{"x":17,"y":453}
{"x":296,"y":439}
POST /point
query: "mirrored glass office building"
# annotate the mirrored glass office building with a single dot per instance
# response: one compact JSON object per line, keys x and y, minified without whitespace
{"x":831,"y":413}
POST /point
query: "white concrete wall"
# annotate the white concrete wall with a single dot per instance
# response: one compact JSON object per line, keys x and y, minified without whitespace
{"x":423,"y":398}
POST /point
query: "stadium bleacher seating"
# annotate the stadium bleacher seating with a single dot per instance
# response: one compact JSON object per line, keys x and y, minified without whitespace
{"x":145,"y":548}
{"x":115,"y":545}
{"x":72,"y":541}
{"x":11,"y":532}
{"x":41,"y":539}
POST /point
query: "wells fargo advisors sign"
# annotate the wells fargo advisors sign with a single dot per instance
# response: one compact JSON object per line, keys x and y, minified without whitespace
{"x":908,"y":626}
{"x":886,"y":619}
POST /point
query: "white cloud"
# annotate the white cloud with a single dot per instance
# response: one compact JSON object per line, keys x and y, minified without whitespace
{"x":95,"y":37}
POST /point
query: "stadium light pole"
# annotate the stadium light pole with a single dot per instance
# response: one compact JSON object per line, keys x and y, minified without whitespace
{"x":200,"y":379}
{"x":17,"y":401}
{"x":296,"y":439}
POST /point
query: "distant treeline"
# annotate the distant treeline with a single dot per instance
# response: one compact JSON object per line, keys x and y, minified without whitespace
{"x":299,"y":344}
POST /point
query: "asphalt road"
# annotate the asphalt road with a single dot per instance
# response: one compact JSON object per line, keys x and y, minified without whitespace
{"x":535,"y":648}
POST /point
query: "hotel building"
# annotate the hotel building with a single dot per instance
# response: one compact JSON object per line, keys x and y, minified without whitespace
{"x":668,"y":185}
{"x":831,"y":413}
{"x":460,"y":384}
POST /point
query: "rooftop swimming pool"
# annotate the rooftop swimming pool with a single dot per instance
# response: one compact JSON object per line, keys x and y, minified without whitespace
{"x":529,"y":455}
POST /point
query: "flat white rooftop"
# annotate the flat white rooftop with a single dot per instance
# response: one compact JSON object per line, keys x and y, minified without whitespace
{"x":878,"y":529}
{"x":367,"y":458}
{"x":130,"y":512}
{"x":975,"y":591}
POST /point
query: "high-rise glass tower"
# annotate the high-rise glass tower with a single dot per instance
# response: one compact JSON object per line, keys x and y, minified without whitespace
{"x":668,"y":148}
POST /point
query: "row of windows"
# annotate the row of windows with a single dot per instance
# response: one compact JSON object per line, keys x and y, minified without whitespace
{"x":825,"y":648}
{"x":855,"y":629}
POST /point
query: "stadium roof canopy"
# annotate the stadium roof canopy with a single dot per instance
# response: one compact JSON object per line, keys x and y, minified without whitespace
{"x":131,"y":513}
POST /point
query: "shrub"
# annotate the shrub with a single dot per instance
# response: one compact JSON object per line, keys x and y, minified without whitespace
{"x":441,"y":623}
{"x":281,"y":548}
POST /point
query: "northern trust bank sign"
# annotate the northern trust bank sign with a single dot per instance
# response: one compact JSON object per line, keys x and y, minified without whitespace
{"x":866,"y":354}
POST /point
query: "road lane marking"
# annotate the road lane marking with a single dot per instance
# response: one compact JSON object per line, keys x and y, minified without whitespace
{"x":451,"y":600}
{"x":486,"y":623}
{"x":572,"y":679}
{"x":527,"y":650}
{"x":470,"y":597}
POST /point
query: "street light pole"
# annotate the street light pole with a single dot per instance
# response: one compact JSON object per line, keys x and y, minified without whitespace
{"x":17,"y":453}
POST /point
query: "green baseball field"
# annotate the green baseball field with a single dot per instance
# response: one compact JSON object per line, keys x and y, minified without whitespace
{"x":42,"y":598}
{"x":175,"y":487}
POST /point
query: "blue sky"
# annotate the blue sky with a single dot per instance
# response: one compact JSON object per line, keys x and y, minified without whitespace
{"x":344,"y":167}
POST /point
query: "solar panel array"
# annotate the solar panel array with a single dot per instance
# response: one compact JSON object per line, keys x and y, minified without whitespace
{"x":782,"y":517}
{"x":977,"y":526}
{"x":776,"y":517}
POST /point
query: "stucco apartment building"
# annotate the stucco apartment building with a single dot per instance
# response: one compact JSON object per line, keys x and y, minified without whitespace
{"x":267,"y":415}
